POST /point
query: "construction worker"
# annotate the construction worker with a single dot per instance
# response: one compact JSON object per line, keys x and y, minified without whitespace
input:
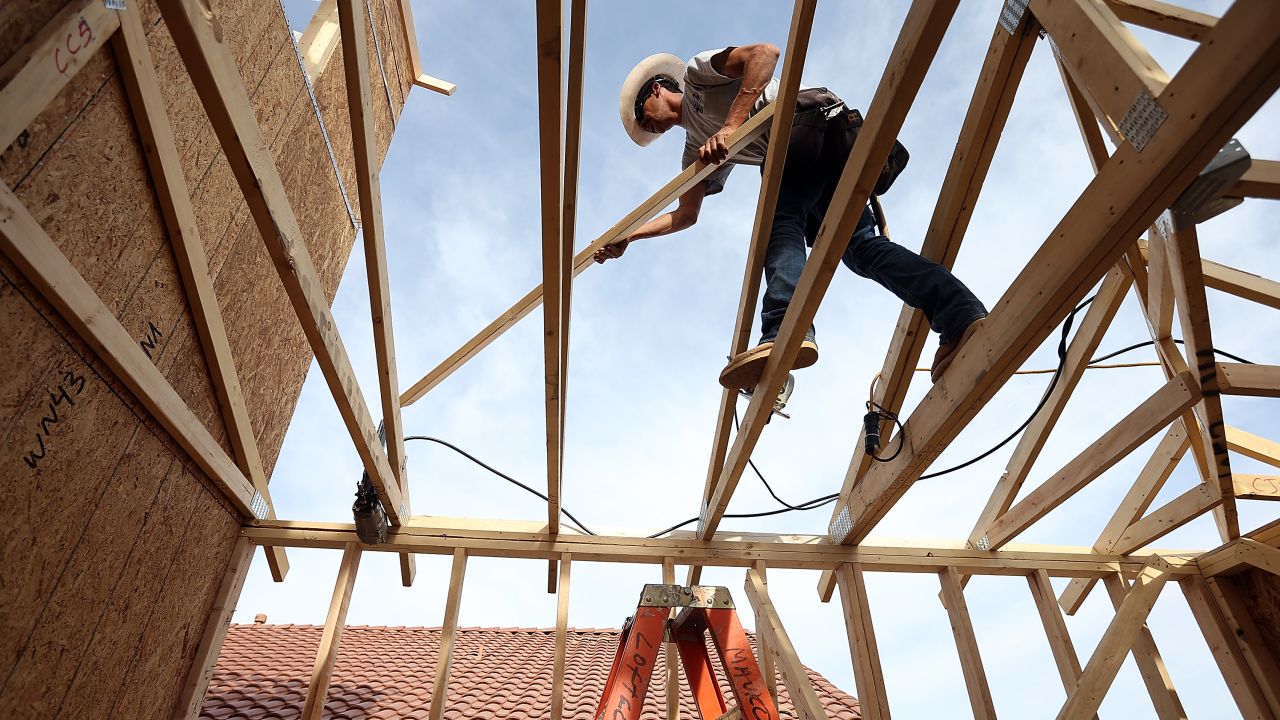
{"x":713,"y":94}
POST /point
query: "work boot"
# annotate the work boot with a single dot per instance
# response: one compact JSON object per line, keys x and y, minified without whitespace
{"x":947,"y":351}
{"x":744,"y":371}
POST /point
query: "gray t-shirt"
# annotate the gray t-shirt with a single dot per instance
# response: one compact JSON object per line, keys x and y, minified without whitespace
{"x":707,"y":98}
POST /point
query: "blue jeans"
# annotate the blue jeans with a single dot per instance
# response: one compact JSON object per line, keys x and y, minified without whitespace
{"x":816,"y":155}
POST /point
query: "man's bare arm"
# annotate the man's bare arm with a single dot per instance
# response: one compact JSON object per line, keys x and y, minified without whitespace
{"x":754,"y":65}
{"x":684,"y":216}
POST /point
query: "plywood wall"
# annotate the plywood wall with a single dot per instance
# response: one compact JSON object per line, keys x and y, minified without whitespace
{"x":112,"y":542}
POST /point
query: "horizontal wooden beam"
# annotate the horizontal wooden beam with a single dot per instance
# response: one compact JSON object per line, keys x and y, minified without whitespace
{"x":27,"y":245}
{"x":1219,"y":87}
{"x":1249,"y":379}
{"x":1256,"y":487}
{"x":1261,"y":180}
{"x":690,"y":176}
{"x":198,"y":35}
{"x":1239,"y":555}
{"x":502,"y":539}
{"x":435,"y":84}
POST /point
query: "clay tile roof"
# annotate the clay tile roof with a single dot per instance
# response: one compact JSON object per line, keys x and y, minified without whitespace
{"x":388,"y":672}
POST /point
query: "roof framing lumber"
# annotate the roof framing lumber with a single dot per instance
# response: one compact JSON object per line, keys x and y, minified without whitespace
{"x":1169,"y":517}
{"x":1249,"y":379}
{"x":1164,"y":17}
{"x":38,"y":71}
{"x":868,"y":675}
{"x":1132,"y":507}
{"x":1240,"y":283}
{"x":1055,"y":629}
{"x":448,"y":629}
{"x":673,"y":654}
{"x":1001,"y":73}
{"x":1219,"y":87}
{"x":1239,"y":555}
{"x":1140,"y":425}
{"x":138,"y":74}
{"x":1253,"y":446}
{"x":1256,"y":487}
{"x":364,"y":139}
{"x":767,"y":664}
{"x":799,"y":688}
{"x":975,"y":677}
{"x":556,"y":257}
{"x":1183,"y":249}
{"x":420,"y":78}
{"x":1259,"y":657}
{"x":1261,"y":180}
{"x":319,"y":39}
{"x":1107,"y":62}
{"x":643,"y":212}
{"x":1226,"y":649}
{"x":1082,"y":347}
{"x":511,"y":540}
{"x":766,"y":205}
{"x":1155,"y":676}
{"x":1116,"y":642}
{"x":917,"y":43}
{"x":562,"y":637}
{"x":327,"y":654}
{"x":191,"y":697}
{"x":34,"y":253}
{"x":221,"y":90}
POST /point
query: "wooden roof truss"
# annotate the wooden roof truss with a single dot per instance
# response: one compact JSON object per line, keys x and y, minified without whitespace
{"x":1165,"y":131}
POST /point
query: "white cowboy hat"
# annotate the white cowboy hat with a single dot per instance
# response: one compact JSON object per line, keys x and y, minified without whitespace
{"x":660,"y":64}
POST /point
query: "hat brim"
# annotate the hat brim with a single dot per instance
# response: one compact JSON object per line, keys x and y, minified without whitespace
{"x":659,"y":64}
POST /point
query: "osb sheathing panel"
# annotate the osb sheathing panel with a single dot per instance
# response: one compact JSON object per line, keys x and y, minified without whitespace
{"x":116,"y":544}
{"x":1262,"y":590}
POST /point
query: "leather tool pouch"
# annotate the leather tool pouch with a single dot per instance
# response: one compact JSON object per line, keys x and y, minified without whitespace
{"x":893,"y":166}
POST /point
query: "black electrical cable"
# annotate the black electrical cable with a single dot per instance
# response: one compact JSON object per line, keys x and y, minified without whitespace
{"x":827,"y":499}
{"x":499,"y":473}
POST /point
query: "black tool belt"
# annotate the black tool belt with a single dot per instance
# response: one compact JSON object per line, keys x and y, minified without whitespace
{"x":820,"y":107}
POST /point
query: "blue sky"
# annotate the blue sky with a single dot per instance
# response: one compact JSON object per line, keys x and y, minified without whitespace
{"x":650,"y":333}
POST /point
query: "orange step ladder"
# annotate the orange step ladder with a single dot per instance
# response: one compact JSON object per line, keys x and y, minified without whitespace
{"x":705,"y":609}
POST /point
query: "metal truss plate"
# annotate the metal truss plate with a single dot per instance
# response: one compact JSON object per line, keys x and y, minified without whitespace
{"x":258,"y":505}
{"x":702,"y":519}
{"x":117,"y":5}
{"x":1144,"y":118}
{"x":841,"y":526}
{"x":984,"y":543}
{"x":1011,"y":14}
{"x":670,"y":596}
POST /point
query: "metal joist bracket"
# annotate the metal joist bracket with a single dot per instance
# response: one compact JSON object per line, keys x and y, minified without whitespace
{"x":1011,"y":14}
{"x":1144,"y":118}
{"x":841,"y":526}
{"x":259,"y":506}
